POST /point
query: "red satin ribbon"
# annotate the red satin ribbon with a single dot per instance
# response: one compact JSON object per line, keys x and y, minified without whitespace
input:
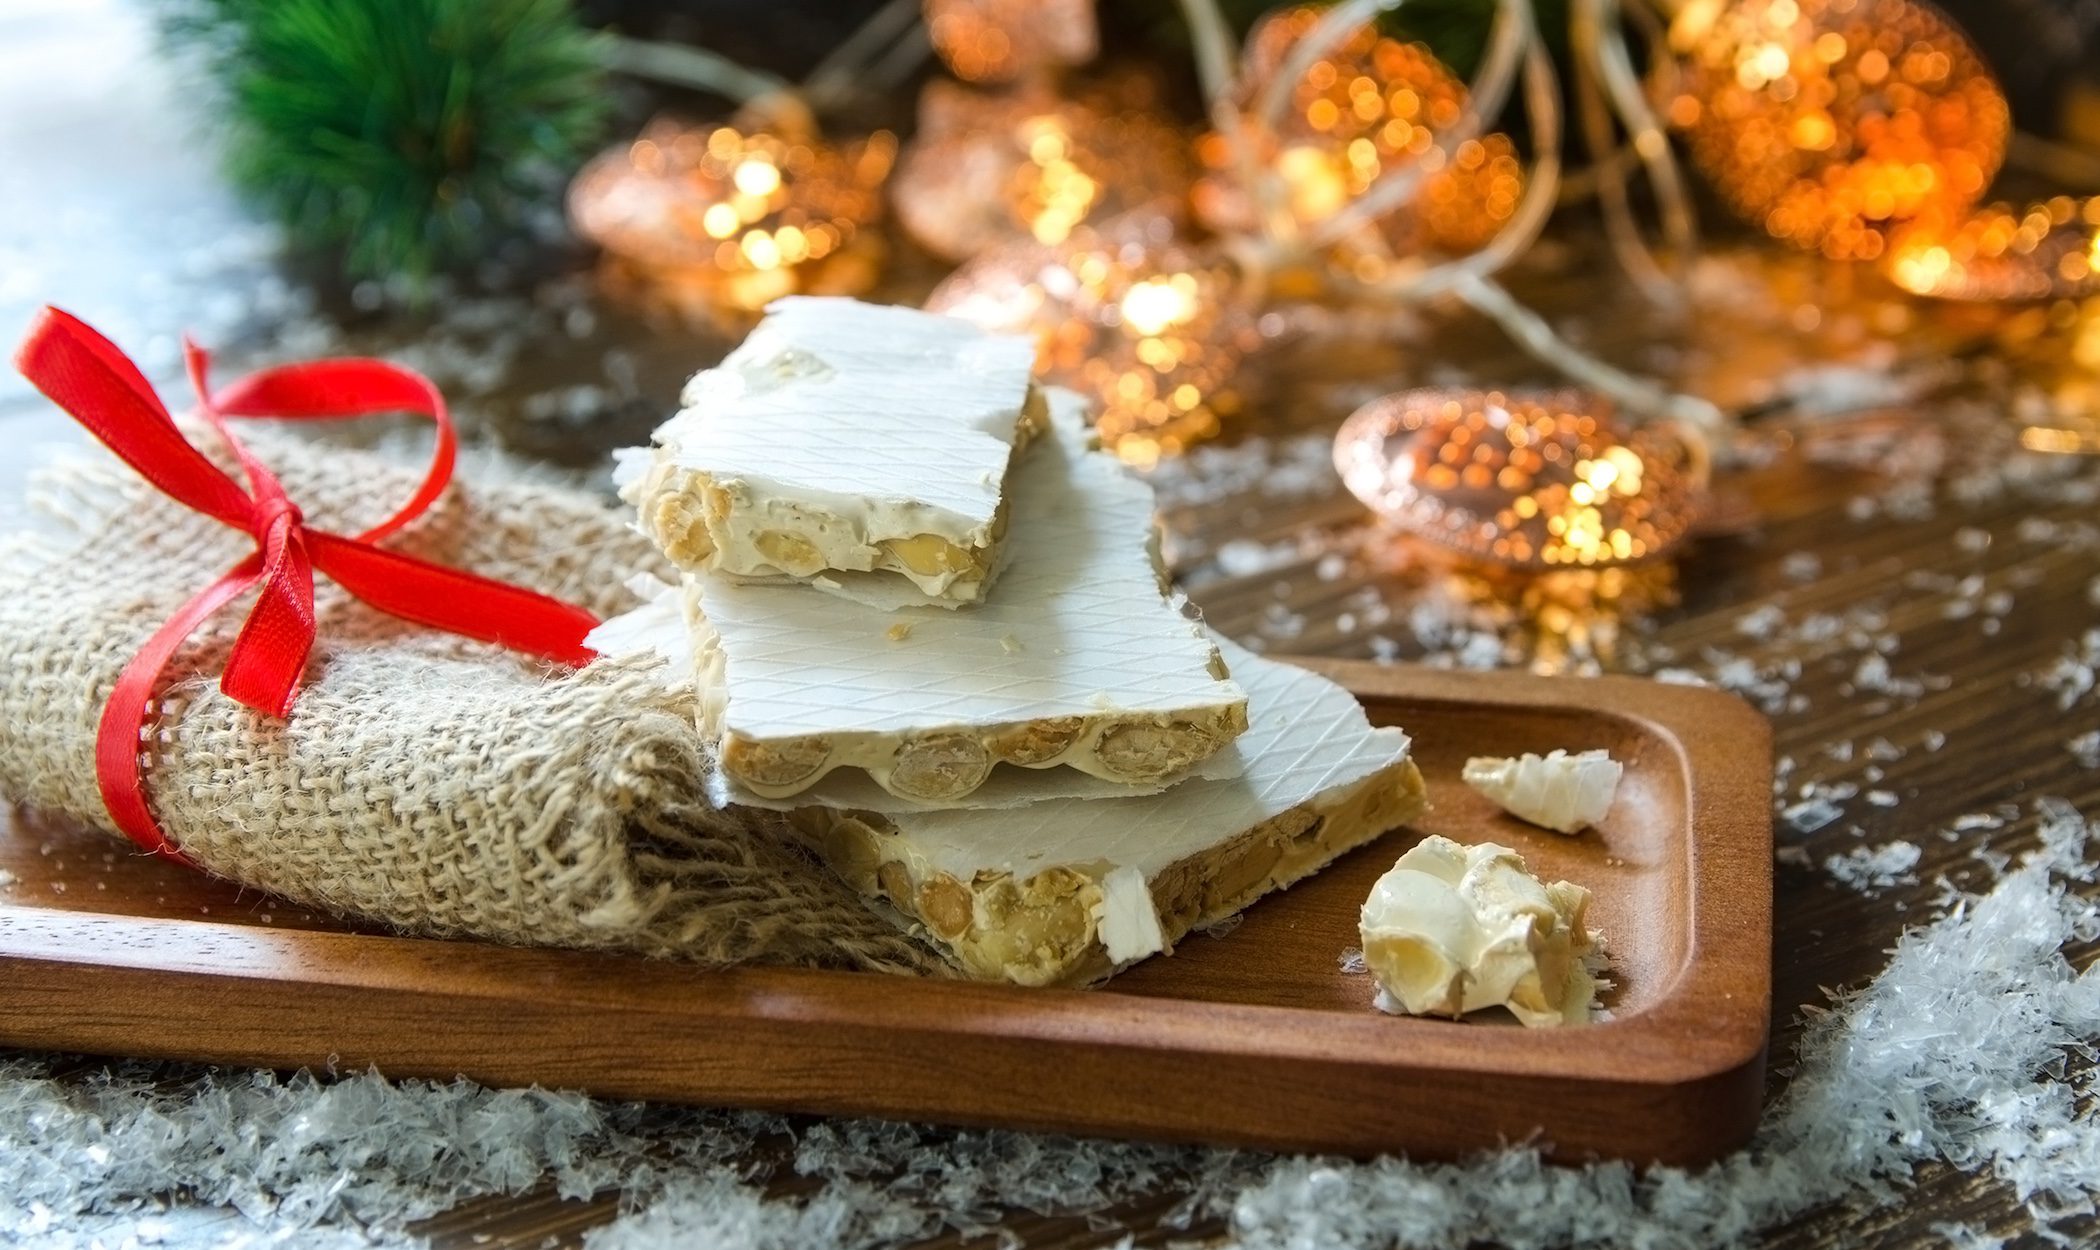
{"x":86,"y":375}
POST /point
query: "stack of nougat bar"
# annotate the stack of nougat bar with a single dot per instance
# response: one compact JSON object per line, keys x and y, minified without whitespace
{"x":924,"y":617}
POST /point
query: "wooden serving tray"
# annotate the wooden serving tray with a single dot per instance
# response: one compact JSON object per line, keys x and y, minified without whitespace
{"x":1256,"y":1038}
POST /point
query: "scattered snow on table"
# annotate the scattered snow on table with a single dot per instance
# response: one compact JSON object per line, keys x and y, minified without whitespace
{"x":1953,"y":1054}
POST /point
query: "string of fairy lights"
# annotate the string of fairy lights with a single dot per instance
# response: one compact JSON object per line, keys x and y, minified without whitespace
{"x":1344,"y":164}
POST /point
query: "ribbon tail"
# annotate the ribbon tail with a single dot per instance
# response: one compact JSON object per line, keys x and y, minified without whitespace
{"x":117,"y":739}
{"x":269,"y":657}
{"x":456,"y":601}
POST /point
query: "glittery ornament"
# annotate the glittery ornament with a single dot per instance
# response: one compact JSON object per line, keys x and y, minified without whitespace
{"x":2045,"y":251}
{"x":1370,"y":107}
{"x":1145,"y":325}
{"x":1001,"y":40}
{"x":1525,"y":481}
{"x":734,"y":216}
{"x":1829,"y":122}
{"x":984,"y":170}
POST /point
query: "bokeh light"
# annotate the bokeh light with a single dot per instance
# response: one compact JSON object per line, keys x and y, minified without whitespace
{"x":1001,"y":40}
{"x":735,"y":217}
{"x":1148,"y":327}
{"x":984,"y":170}
{"x":1371,"y":107}
{"x":1829,"y":122}
{"x":1524,"y":481}
{"x":2002,"y":253}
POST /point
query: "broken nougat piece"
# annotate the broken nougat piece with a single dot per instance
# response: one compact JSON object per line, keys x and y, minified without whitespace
{"x":1562,"y":792}
{"x":856,"y":447}
{"x":1452,"y":929}
{"x":1077,"y":660}
{"x":1066,"y":891}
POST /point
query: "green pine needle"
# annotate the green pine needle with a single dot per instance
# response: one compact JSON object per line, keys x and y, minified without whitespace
{"x":405,"y":136}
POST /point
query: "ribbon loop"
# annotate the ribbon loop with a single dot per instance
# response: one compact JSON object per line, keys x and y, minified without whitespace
{"x":85,"y":374}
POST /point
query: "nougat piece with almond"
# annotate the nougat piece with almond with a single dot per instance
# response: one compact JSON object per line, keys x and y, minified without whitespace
{"x":1079,"y":659}
{"x":860,"y":448}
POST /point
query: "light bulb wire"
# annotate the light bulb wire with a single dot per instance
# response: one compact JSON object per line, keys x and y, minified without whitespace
{"x":684,"y":65}
{"x":1609,"y":96}
{"x":864,"y":58}
{"x":1216,"y":54}
{"x":882,"y":52}
{"x":1469,"y":279}
{"x":1666,"y":77}
{"x":1599,"y":129}
{"x":1695,"y":420}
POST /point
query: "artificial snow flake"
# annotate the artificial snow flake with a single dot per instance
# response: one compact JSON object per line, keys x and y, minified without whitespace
{"x":1243,"y":557}
{"x":1293,"y":468}
{"x":2075,"y":673}
{"x":1876,"y":869}
{"x":1801,"y":566}
{"x":1955,"y":1053}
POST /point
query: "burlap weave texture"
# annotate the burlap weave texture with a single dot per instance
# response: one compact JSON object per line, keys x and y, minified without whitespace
{"x":440,"y":786}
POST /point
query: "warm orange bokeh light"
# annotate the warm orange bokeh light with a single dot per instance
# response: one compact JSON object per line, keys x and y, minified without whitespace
{"x":738,"y":216}
{"x":1145,"y":326}
{"x":1530,"y":482}
{"x":984,"y":170}
{"x":1829,"y":122}
{"x":1001,"y":40}
{"x":2044,"y":251}
{"x":1369,"y":108}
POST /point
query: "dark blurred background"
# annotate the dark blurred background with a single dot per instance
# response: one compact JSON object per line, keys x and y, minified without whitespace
{"x":2047,"y":52}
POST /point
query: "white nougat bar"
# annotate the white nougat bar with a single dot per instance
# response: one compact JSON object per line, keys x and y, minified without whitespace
{"x":1067,"y":891}
{"x":1078,"y":659}
{"x":859,"y":447}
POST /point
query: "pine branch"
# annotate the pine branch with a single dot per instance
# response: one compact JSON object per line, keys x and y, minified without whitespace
{"x":405,"y":136}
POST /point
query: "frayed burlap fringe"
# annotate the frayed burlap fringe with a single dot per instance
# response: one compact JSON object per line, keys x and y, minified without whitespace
{"x":440,"y":786}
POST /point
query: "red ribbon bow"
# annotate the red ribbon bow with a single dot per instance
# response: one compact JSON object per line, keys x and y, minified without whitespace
{"x":86,"y":375}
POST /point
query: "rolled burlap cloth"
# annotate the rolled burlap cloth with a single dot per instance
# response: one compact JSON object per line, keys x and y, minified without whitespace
{"x":437,"y":785}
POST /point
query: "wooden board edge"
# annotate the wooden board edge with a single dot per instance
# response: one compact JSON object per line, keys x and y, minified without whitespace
{"x":1696,"y":1068}
{"x":1343,"y":1104}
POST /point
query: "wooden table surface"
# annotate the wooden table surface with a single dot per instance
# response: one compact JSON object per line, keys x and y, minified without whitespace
{"x":1892,"y":583}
